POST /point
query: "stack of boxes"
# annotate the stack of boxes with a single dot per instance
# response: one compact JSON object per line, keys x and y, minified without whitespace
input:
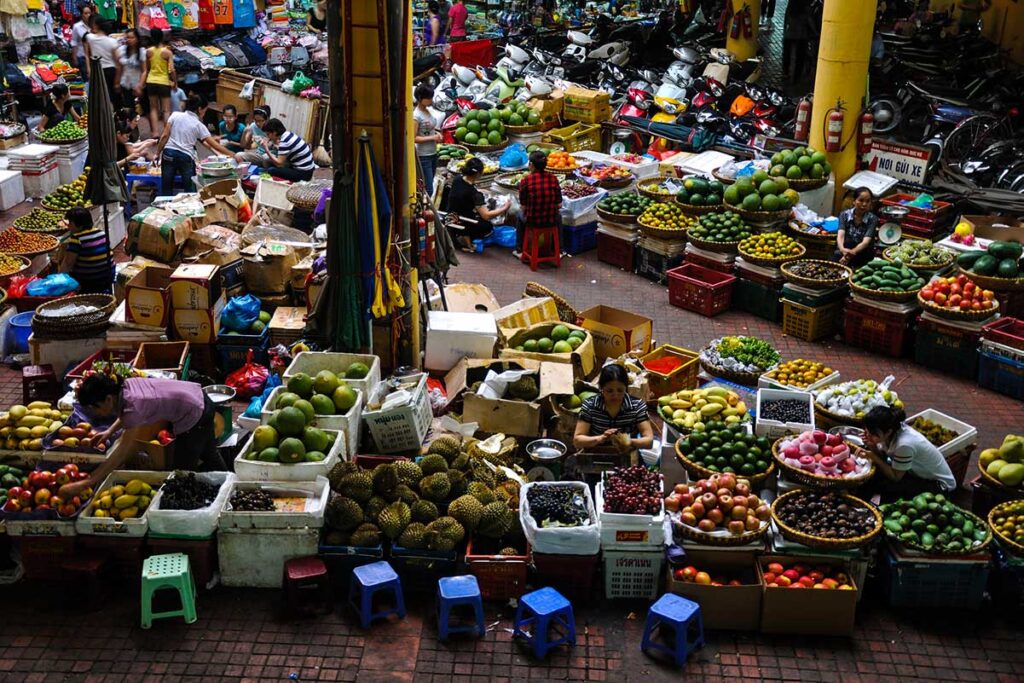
{"x":71,"y":160}
{"x":38,"y":167}
{"x":758,"y":290}
{"x":197,"y":300}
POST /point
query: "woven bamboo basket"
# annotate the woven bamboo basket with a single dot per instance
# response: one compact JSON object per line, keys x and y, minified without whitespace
{"x":104,"y":304}
{"x":566,"y":313}
{"x":1011,"y":545}
{"x":306,"y":195}
{"x":979,"y":523}
{"x":694,"y":210}
{"x":772,"y":262}
{"x":662,"y":233}
{"x":698,"y":471}
{"x":724,"y":179}
{"x":805,"y":184}
{"x":524,"y":130}
{"x":794,"y":227}
{"x":709,"y":245}
{"x":580,"y":163}
{"x":621,"y":218}
{"x":505,"y":180}
{"x":25,"y":265}
{"x":51,"y":242}
{"x":996,"y":284}
{"x":887,"y":255}
{"x":816,"y":284}
{"x":616,"y":183}
{"x":883,"y":296}
{"x":721,"y":540}
{"x":53,"y":209}
{"x":818,"y":482}
{"x":3,"y":296}
{"x":484,"y":149}
{"x":956,"y":313}
{"x":760,"y":216}
{"x":59,"y":229}
{"x":835,"y":419}
{"x":998,"y":484}
{"x":657,"y":196}
{"x":818,"y":542}
{"x":748,"y":379}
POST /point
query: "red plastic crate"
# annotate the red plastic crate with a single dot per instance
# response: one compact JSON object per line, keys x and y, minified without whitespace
{"x":368,"y":462}
{"x":1005,"y":331}
{"x":698,"y":260}
{"x":202,"y":554}
{"x":126,"y":553}
{"x":877,"y":330}
{"x":119,"y":356}
{"x":940,"y":210}
{"x":615,"y":251}
{"x":500,"y":576}
{"x":41,"y":556}
{"x":1011,"y":304}
{"x":571,"y":575}
{"x":700,"y":289}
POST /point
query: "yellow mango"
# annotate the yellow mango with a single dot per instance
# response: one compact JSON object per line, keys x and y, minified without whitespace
{"x":718,"y":391}
{"x":134,"y":487}
{"x":32,"y":421}
{"x":700,"y":403}
{"x":129,"y":513}
{"x":144,"y":502}
{"x":720,"y":400}
{"x":39,"y":432}
{"x":740,"y":407}
{"x":17,"y":412}
{"x":147,"y":490}
{"x":710,"y":410}
{"x":35,"y":405}
{"x":116,"y":491}
{"x":104,"y":502}
{"x":35,"y":444}
{"x":11,"y":444}
{"x":22,"y":433}
{"x":99,"y":513}
{"x":125,"y":501}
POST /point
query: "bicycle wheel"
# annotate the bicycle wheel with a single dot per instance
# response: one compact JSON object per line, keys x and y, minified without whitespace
{"x":969,"y":135}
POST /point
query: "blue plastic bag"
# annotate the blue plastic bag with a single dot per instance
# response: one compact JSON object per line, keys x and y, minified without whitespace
{"x":255,"y":406}
{"x":57,"y":284}
{"x":514,"y":157}
{"x":240,"y":313}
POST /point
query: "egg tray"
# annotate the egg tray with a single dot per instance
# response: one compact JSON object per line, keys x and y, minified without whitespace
{"x":818,"y":542}
{"x":816,"y":481}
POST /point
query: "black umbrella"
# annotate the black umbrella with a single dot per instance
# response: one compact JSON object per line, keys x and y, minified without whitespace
{"x":105,"y":183}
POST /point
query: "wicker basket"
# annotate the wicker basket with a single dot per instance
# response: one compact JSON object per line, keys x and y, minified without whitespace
{"x":748,"y":379}
{"x":979,"y":523}
{"x":53,"y":244}
{"x":484,"y":149}
{"x":657,"y":196}
{"x":916,"y":268}
{"x":989,"y":479}
{"x":823,"y":412}
{"x":662,"y":233}
{"x":504,"y":180}
{"x":3,"y":296}
{"x":524,"y":130}
{"x":65,"y":141}
{"x":724,"y":179}
{"x":806,"y":184}
{"x":616,"y":183}
{"x":816,"y":284}
{"x":566,"y":313}
{"x":883,"y":296}
{"x":721,"y":540}
{"x":718,"y":247}
{"x":996,"y":284}
{"x":104,"y":304}
{"x":1011,"y":545}
{"x":25,"y":265}
{"x":621,"y":218}
{"x":58,"y":229}
{"x":794,"y":227}
{"x":698,"y":471}
{"x":760,"y":216}
{"x":956,"y":313}
{"x":694,"y":210}
{"x":54,"y":209}
{"x":306,"y":195}
{"x":819,"y":543}
{"x":771,"y":262}
{"x":815,"y":481}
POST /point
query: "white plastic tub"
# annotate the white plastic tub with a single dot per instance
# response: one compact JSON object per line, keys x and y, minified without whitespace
{"x":966,"y":434}
{"x":774,"y":429}
{"x":312,"y":362}
{"x":348,"y":422}
{"x":198,"y":524}
{"x":105,"y":526}
{"x":256,"y":470}
{"x":312,"y":516}
{"x":255,"y":558}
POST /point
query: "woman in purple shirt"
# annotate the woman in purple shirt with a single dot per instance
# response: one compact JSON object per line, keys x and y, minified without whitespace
{"x":140,"y":404}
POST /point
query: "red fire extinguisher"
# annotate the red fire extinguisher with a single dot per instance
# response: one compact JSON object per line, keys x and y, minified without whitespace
{"x":737,"y":24}
{"x":803,"y":120}
{"x":748,"y":30}
{"x":834,"y":131}
{"x":865,"y":139}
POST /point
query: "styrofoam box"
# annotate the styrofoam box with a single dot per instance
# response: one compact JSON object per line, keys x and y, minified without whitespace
{"x":312,"y":362}
{"x":312,"y":516}
{"x":452,"y":336}
{"x":105,"y":526}
{"x":966,"y":434}
{"x":626,"y":521}
{"x":71,"y":168}
{"x":255,"y":557}
{"x":33,"y":151}
{"x":348,"y":423}
{"x":12,"y":189}
{"x":115,"y":215}
{"x":256,"y":470}
{"x":200,"y":523}
{"x":775,"y":429}
{"x":644,"y":169}
{"x":38,"y":186}
{"x":765,"y":382}
{"x":402,"y":428}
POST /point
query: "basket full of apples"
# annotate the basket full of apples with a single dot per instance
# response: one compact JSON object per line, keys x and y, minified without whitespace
{"x":38,"y":499}
{"x":720,"y":510}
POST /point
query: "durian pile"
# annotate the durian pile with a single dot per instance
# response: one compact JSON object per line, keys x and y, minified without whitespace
{"x":432,"y":504}
{"x":523,"y":389}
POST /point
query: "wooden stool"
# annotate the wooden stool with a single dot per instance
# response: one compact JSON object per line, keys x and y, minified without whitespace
{"x":307,"y":588}
{"x":39,"y":383}
{"x":532,"y":247}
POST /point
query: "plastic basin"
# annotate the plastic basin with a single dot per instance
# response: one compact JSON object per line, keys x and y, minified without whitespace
{"x":21,"y":330}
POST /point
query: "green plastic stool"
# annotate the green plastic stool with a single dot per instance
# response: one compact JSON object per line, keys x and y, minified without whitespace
{"x":168,"y":571}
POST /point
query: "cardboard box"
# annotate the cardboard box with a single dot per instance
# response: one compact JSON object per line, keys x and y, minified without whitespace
{"x":549,"y":108}
{"x":146,"y":296}
{"x":268,"y":266}
{"x":195,"y":286}
{"x":189,"y":205}
{"x":464,"y":297}
{"x":232,"y":275}
{"x":812,"y":612}
{"x":213,"y":244}
{"x":199,"y":326}
{"x":149,"y":455}
{"x":582,"y":358}
{"x":126,"y":271}
{"x":735,"y":608}
{"x":517,"y":418}
{"x":158,"y":234}
{"x":617,"y":332}
{"x":996,"y":227}
{"x":222,"y":200}
{"x":524,"y":313}
{"x":287,"y":324}
{"x":587,"y":106}
{"x":299,"y":272}
{"x":454,"y":336}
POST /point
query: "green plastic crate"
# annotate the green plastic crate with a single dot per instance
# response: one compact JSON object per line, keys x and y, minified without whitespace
{"x":947,"y":348}
{"x":758,"y":299}
{"x":820,"y":298}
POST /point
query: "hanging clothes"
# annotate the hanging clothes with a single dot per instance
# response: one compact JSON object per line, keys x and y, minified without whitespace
{"x":190,"y":21}
{"x":244,"y":13}
{"x":175,"y":13}
{"x":206,"y":19}
{"x":107,"y":9}
{"x":128,"y":13}
{"x":223,"y":12}
{"x":13,"y":7}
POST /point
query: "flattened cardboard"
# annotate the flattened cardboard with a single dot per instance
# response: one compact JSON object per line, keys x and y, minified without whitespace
{"x":222,"y":200}
{"x":582,"y":357}
{"x":524,"y":313}
{"x":516,"y":418}
{"x":146,"y":296}
{"x":617,"y":332}
{"x":807,"y":611}
{"x":734,"y":608}
{"x":213,"y":244}
{"x":158,"y":234}
{"x":198,"y":326}
{"x":195,"y":286}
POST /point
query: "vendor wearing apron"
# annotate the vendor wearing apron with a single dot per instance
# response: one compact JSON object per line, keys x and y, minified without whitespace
{"x":140,"y":405}
{"x":613,"y":417}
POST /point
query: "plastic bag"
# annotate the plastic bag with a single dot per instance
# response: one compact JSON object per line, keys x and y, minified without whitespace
{"x":921,"y":201}
{"x":240,"y":313}
{"x":514,"y":157}
{"x":200,"y":523}
{"x":18,"y":286}
{"x":577,"y":540}
{"x":246,"y":92}
{"x":255,"y":406}
{"x":248,"y":380}
{"x":57,"y":284}
{"x":301,"y":81}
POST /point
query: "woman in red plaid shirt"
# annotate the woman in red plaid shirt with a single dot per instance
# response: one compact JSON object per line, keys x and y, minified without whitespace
{"x":540,"y":197}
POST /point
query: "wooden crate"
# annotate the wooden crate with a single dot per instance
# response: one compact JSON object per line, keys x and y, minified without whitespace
{"x":229,"y":88}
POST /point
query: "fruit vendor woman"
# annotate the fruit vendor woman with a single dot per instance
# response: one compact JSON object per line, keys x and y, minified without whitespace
{"x":858,"y":226}
{"x":613,"y":417}
{"x":139,"y":406}
{"x":906,"y":462}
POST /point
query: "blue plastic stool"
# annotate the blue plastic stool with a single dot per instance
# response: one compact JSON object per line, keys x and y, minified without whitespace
{"x":540,"y":610}
{"x":369,"y":579}
{"x":683,"y":616}
{"x":456,"y":591}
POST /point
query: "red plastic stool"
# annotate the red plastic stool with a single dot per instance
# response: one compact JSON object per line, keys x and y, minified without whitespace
{"x":83,"y":576}
{"x":532,"y":247}
{"x":39,"y":383}
{"x":307,"y":587}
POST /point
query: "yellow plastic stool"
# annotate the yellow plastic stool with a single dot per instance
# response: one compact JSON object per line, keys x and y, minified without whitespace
{"x":168,"y":571}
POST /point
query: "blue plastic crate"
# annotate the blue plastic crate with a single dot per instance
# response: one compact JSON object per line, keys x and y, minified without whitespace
{"x":1001,"y":374}
{"x":655,"y":266}
{"x":577,"y":239}
{"x":921,"y":582}
{"x":232,"y":350}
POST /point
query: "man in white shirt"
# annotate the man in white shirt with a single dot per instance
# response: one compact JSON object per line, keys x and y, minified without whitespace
{"x":177,"y":146}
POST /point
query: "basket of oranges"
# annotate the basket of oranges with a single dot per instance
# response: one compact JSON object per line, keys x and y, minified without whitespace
{"x":564,"y":163}
{"x":770,"y":249}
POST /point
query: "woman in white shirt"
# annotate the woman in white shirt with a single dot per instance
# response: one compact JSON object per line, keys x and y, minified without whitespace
{"x":99,"y":45}
{"x":78,"y":33}
{"x":907,"y":463}
{"x":130,"y":58}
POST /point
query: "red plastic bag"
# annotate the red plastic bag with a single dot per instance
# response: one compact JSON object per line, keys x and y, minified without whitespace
{"x":248,"y":380}
{"x":19,"y":283}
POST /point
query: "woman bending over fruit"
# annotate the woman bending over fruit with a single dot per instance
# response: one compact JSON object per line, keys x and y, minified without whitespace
{"x":907,"y":463}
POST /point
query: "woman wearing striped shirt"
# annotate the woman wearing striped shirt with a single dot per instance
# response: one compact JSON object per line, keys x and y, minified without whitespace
{"x":87,"y":257}
{"x":613,"y":417}
{"x":294,"y":159}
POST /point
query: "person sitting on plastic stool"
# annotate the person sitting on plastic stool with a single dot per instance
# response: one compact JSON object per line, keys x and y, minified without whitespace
{"x":294,"y":159}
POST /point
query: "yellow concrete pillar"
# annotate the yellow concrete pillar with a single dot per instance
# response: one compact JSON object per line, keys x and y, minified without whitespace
{"x":841,"y":77}
{"x":1003,"y":23}
{"x":743,"y":47}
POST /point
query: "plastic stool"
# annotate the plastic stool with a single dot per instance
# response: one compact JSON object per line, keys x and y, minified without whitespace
{"x":370,"y":579}
{"x":39,"y":383}
{"x":168,"y":571}
{"x":456,"y":591}
{"x":682,"y":616}
{"x":82,"y":573}
{"x":307,"y":588}
{"x":531,"y":247}
{"x":540,"y":610}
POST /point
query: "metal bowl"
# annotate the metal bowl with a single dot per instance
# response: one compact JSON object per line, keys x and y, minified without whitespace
{"x":854,"y":435}
{"x":545,"y":450}
{"x":219,"y":393}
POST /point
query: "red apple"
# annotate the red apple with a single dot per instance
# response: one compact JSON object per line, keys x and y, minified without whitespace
{"x":927,"y":294}
{"x":763,"y":512}
{"x":672,"y":503}
{"x":776,"y":568}
{"x":940,"y":299}
{"x":725,"y":502}
{"x":797,"y":585}
{"x":727,"y":480}
{"x":697,"y":509}
{"x":716,"y":516}
{"x":739,"y":501}
{"x":769,"y":577}
{"x":709,"y":500}
{"x":783,"y":581}
{"x":807,"y":581}
{"x":738,"y":512}
{"x":818,"y":585}
{"x":706,"y":525}
{"x":753,"y":523}
{"x":688,"y":518}
{"x":686,"y":498}
{"x":702,"y":578}
{"x":816,"y":575}
{"x":830,"y":583}
{"x":680,"y":488}
{"x":736,"y":527}
{"x":792,"y":574}
{"x":742,"y":488}
{"x":689,"y":573}
{"x":42,"y":496}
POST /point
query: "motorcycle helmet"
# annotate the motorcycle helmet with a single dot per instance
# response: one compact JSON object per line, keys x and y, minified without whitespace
{"x":687,"y":55}
{"x":538,"y":87}
{"x":517,"y":54}
{"x":464,"y":74}
{"x":579,"y":38}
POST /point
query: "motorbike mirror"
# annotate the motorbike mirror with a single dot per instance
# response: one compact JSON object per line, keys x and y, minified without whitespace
{"x":1013,"y":112}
